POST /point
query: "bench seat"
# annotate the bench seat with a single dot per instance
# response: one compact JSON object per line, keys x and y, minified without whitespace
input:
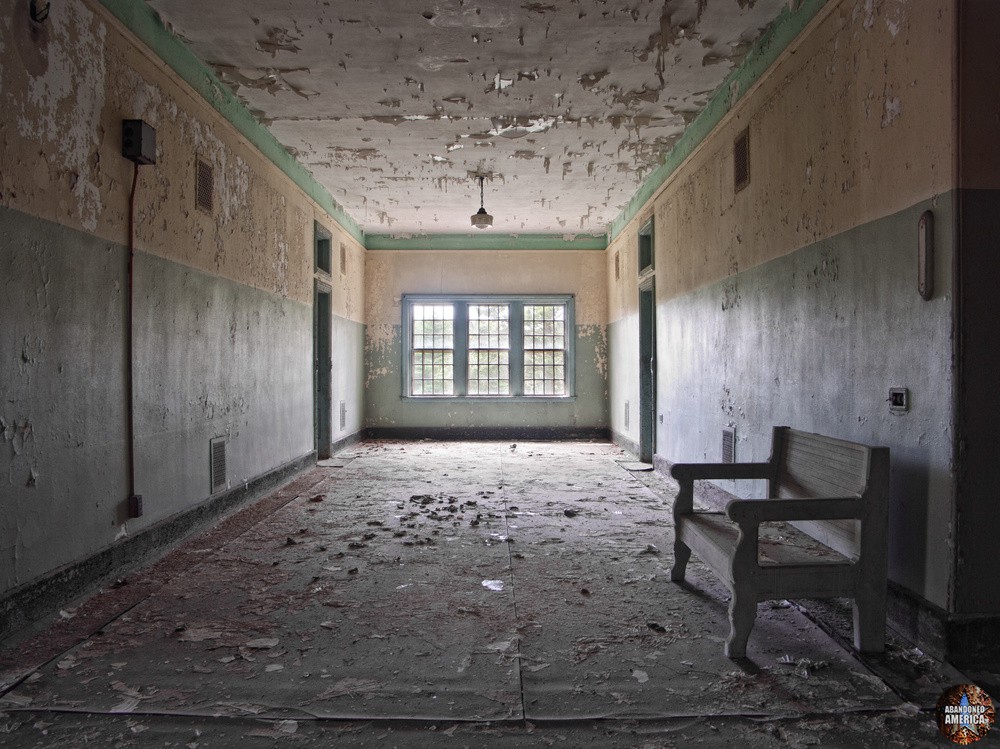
{"x":821,"y":533}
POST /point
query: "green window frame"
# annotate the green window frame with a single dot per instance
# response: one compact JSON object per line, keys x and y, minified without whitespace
{"x":484,"y":347}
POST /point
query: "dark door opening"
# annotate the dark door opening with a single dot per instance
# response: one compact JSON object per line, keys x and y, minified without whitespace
{"x":322,"y":366}
{"x":647,"y":370}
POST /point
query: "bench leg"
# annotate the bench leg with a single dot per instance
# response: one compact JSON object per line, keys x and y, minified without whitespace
{"x":869,"y":624}
{"x":742,"y":613}
{"x":682,"y":553}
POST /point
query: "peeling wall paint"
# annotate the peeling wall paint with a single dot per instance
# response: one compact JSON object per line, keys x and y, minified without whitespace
{"x":220,"y":296}
{"x":777,"y":301}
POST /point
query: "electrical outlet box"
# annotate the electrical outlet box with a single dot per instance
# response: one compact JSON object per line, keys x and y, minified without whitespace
{"x":899,"y":399}
{"x":138,"y":141}
{"x":135,"y":506}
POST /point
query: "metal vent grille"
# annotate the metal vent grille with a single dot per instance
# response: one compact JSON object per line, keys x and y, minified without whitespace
{"x":343,"y":259}
{"x":343,"y":415}
{"x":728,"y":445}
{"x":204,"y":180}
{"x":741,"y":160}
{"x":218,"y":461}
{"x":626,"y":414}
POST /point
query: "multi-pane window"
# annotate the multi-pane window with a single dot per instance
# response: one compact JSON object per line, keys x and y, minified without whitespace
{"x":432,"y":344}
{"x":488,"y":346}
{"x":544,"y":349}
{"x":489,"y":349}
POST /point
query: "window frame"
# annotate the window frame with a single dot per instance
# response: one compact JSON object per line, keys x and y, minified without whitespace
{"x":516,"y":304}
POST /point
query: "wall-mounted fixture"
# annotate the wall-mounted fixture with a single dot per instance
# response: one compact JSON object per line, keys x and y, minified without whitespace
{"x":925,"y":255}
{"x":481,"y":219}
{"x":138,"y":141}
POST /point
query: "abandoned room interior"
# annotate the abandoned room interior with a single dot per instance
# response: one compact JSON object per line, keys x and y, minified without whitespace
{"x":353,"y":352}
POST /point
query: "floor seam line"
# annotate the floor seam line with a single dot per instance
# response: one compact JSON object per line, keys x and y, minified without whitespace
{"x":513,"y":591}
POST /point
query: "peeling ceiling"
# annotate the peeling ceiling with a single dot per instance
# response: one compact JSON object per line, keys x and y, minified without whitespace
{"x":396,"y":105}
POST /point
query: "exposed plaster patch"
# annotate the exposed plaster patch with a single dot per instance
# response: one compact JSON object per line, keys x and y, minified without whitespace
{"x":893,"y":108}
{"x":279,"y":40}
{"x":474,"y":17}
{"x":271,"y":80}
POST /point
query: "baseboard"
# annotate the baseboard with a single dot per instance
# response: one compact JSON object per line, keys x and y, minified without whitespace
{"x":37,"y":599}
{"x":347,"y":441}
{"x":625,"y":443}
{"x":489,"y":433}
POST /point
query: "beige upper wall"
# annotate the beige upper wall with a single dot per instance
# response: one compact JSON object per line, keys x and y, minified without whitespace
{"x":853,"y":123}
{"x":390,"y":274}
{"x":65,"y":88}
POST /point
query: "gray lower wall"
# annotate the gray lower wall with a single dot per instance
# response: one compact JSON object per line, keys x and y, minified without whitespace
{"x":386,"y":409}
{"x":213,"y":358}
{"x":815,"y":340}
{"x":348,"y":385}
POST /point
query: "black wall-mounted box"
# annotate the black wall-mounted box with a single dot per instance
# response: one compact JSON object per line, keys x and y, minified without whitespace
{"x":138,"y":141}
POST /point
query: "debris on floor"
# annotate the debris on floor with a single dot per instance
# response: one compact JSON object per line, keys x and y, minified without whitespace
{"x":405,"y":592}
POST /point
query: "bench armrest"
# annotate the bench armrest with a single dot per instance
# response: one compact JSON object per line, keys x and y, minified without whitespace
{"x":699,"y":471}
{"x":753,"y":511}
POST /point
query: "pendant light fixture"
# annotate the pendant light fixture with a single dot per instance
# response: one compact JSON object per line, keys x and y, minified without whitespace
{"x":481,"y":219}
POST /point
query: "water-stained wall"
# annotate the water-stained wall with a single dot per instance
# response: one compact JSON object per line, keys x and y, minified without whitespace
{"x":794,"y":300}
{"x":223,"y":296}
{"x":391,"y":274}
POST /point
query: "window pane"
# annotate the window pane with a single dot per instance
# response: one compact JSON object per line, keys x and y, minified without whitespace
{"x":544,"y":349}
{"x":489,"y":349}
{"x":431,"y":354}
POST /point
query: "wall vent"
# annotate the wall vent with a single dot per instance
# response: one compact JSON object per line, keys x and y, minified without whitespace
{"x":343,"y":259}
{"x":626,"y":414}
{"x":343,"y":415}
{"x":218,"y":461}
{"x":729,"y":445}
{"x":204,"y":179}
{"x":741,"y":160}
{"x":618,"y":267}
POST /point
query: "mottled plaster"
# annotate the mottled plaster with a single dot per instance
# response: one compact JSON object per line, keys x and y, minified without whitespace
{"x":566,"y":108}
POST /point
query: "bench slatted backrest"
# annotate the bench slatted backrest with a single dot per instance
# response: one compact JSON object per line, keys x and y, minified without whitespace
{"x":812,"y":465}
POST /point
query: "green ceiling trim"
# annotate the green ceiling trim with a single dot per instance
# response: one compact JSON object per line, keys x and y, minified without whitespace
{"x":486,"y":242}
{"x":794,"y":17}
{"x":144,"y":22}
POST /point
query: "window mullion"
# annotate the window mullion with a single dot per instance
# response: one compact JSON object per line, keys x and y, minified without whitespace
{"x":517,"y":348}
{"x":461,"y":348}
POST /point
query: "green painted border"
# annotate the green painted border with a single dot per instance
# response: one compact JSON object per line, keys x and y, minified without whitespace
{"x":143,"y":21}
{"x":487,"y":242}
{"x":765,"y":51}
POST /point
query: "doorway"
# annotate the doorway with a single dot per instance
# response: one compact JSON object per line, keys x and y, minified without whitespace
{"x":322,"y":367}
{"x":647,"y":369}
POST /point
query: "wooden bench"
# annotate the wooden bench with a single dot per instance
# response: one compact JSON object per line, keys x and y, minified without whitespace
{"x":834,"y":491}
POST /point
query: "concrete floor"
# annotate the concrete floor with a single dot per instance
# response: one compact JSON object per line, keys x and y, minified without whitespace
{"x":456,"y":595}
